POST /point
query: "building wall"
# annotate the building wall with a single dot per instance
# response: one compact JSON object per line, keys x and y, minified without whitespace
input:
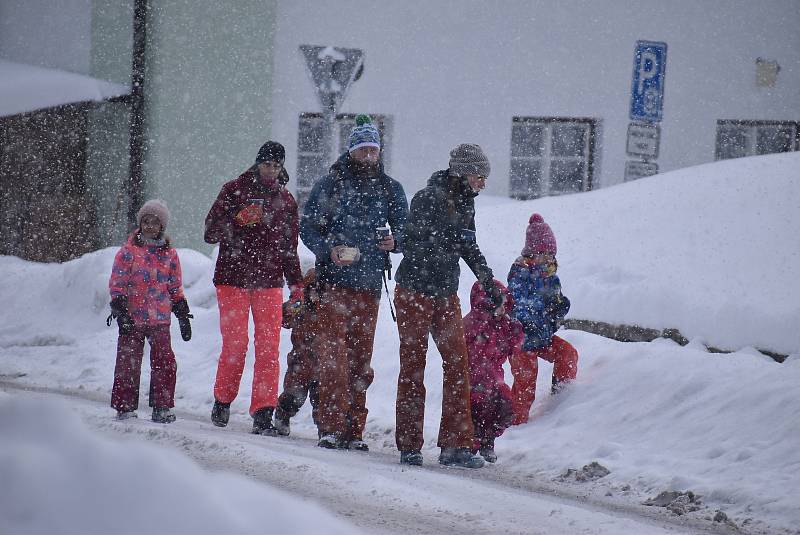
{"x":108,"y":148}
{"x":452,"y":72}
{"x":208,"y":90}
{"x":47,"y":33}
{"x":45,"y":214}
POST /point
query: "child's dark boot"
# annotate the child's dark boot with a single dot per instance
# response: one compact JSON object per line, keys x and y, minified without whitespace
{"x":162,"y":415}
{"x":487,"y":450}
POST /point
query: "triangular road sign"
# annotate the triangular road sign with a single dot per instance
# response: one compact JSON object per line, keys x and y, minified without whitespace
{"x":332,"y":69}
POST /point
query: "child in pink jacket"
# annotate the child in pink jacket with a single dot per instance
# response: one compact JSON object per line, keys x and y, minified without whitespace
{"x":145,"y":288}
{"x":491,"y":338}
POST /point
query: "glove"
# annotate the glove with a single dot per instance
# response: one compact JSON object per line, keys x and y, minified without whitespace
{"x":497,"y":298}
{"x":119,"y":310}
{"x":295,"y":292}
{"x":181,"y":311}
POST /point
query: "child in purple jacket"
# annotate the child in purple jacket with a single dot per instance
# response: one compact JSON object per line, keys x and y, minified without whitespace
{"x":491,"y":339}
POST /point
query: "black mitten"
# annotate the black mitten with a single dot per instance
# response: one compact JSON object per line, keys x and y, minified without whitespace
{"x":181,"y":311}
{"x":119,"y":310}
{"x":494,"y":294}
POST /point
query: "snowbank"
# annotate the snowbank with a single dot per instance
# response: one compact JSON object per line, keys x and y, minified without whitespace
{"x":60,"y":477}
{"x":710,"y":250}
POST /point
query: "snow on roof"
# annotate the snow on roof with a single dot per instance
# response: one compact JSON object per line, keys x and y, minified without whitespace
{"x":25,"y":88}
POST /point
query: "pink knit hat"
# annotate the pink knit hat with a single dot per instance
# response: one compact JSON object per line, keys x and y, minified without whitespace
{"x":155,"y":207}
{"x":539,"y":238}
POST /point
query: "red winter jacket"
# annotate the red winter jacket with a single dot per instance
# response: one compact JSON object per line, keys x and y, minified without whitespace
{"x":490,"y":340}
{"x":257,"y":256}
{"x":150,"y":277}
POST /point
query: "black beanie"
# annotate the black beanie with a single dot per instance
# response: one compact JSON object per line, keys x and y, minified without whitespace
{"x":271,"y":151}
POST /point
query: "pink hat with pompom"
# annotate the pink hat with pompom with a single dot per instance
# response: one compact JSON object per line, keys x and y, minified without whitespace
{"x":155,"y":207}
{"x":539,"y":237}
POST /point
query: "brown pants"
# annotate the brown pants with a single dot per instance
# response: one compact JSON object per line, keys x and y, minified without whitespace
{"x":343,"y":346}
{"x":301,"y":380}
{"x":418,"y":315}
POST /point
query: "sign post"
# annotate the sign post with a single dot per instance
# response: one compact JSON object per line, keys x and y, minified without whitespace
{"x":332,"y":70}
{"x":646,"y":110}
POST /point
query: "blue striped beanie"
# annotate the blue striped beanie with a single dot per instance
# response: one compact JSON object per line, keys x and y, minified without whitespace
{"x":364,"y":134}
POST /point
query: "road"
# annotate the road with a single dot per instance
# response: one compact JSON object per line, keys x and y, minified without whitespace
{"x":374,"y":492}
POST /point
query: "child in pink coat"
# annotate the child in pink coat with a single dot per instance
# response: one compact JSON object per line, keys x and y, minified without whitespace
{"x":145,"y":287}
{"x":491,"y":339}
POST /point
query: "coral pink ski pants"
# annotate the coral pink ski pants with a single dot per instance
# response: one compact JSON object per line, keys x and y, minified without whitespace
{"x":525,"y":368}
{"x":235,"y":305}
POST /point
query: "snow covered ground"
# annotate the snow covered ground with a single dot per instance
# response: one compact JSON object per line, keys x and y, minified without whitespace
{"x":710,"y":250}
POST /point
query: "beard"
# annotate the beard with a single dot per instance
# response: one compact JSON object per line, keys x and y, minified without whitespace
{"x":365,"y":168}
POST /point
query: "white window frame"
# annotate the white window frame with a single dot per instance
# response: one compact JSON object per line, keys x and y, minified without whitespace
{"x":519,"y":190}
{"x":750,"y":129}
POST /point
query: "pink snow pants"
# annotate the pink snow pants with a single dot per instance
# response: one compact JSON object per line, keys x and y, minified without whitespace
{"x":525,"y":368}
{"x":235,"y":305}
{"x":128,"y":369}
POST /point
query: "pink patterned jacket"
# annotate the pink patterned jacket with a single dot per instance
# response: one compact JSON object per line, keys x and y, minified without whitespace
{"x":150,"y":277}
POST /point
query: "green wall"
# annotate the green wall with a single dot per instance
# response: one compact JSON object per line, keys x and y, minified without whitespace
{"x":108,"y":123}
{"x":208,"y":88}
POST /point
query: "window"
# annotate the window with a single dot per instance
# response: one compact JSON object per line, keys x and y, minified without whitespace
{"x":551,"y":156}
{"x":736,"y":139}
{"x":310,"y":164}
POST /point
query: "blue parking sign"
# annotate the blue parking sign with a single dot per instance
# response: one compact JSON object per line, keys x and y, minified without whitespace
{"x":647,"y":88}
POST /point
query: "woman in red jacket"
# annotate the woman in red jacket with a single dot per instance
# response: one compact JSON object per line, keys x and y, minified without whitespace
{"x":255,"y":221}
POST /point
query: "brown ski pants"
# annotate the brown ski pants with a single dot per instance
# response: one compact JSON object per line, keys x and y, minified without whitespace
{"x":418,"y":315}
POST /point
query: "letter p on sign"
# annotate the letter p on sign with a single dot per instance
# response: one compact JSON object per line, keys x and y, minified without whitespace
{"x":647,"y":87}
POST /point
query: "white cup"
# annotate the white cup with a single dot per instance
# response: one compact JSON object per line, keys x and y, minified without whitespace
{"x":348,"y":254}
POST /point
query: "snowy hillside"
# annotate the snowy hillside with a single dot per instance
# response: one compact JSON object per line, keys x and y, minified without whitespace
{"x":711,"y":250}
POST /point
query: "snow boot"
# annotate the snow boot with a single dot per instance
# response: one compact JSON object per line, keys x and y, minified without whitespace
{"x":462,"y":457}
{"x":487,"y":450}
{"x":358,"y":445}
{"x":411,"y":457}
{"x":220,"y":413}
{"x":162,"y":415}
{"x":488,"y":454}
{"x":330,"y":441}
{"x":124,"y":415}
{"x":556,"y":387}
{"x":282,"y":423}
{"x":262,"y":422}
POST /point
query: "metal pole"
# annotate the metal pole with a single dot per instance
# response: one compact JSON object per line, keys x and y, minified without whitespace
{"x":135,"y":185}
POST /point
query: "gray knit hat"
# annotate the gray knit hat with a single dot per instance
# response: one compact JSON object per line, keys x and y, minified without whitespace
{"x":469,"y":159}
{"x":155,"y":207}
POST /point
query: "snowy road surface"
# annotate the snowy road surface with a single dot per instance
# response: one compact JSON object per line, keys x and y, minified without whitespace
{"x":374,"y":492}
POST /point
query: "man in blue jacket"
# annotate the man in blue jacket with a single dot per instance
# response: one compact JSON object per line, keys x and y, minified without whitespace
{"x":339,"y":222}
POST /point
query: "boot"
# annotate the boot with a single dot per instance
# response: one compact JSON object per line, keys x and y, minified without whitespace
{"x":163,"y":415}
{"x":556,"y":387}
{"x":282,"y":422}
{"x":358,"y":445}
{"x":220,"y":413}
{"x":411,"y":457}
{"x":262,"y":422}
{"x":487,"y":451}
{"x":124,"y":415}
{"x":462,"y":457}
{"x":330,"y":441}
